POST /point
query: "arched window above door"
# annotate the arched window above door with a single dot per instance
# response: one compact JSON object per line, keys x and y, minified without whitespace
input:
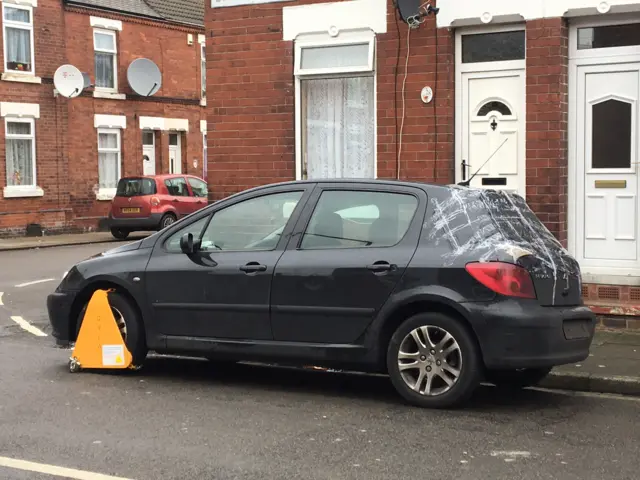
{"x":494,"y":106}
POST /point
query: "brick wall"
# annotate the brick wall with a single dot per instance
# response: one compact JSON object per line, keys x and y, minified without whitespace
{"x":66,"y":140}
{"x":547,"y":122}
{"x":50,"y":210}
{"x":252,"y":107}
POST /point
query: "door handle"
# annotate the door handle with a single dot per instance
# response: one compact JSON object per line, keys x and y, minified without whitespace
{"x":253,"y":267}
{"x":382,"y":266}
{"x":176,"y":200}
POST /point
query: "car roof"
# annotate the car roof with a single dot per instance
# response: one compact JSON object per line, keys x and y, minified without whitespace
{"x":163,"y":176}
{"x":361,"y":181}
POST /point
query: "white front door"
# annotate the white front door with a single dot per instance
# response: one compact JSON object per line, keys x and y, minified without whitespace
{"x":175,"y":153}
{"x":607,"y":160}
{"x":493,"y":130}
{"x":148,"y":153}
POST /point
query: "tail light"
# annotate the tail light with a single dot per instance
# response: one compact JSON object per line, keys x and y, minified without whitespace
{"x":503,"y":278}
{"x":155,"y":201}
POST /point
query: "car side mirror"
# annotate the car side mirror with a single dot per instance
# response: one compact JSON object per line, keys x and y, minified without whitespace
{"x":188,"y":245}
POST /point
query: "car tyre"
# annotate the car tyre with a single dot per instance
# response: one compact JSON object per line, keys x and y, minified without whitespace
{"x":126,"y":315}
{"x":119,"y":233}
{"x":459,"y":353}
{"x":516,"y":379}
{"x":167,"y":219}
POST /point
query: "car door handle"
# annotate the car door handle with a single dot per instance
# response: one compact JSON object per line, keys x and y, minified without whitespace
{"x":253,"y":267}
{"x":381,"y":267}
{"x":176,"y":200}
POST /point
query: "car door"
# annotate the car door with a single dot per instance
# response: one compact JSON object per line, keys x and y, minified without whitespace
{"x":346,"y":254}
{"x":199,"y":193}
{"x":222,"y":290}
{"x":180,"y":196}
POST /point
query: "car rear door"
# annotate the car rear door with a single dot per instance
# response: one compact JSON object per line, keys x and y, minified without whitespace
{"x":179,"y":194}
{"x":199,"y":193}
{"x":348,"y":251}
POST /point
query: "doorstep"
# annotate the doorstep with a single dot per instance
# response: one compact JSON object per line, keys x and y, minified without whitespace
{"x":616,"y":314}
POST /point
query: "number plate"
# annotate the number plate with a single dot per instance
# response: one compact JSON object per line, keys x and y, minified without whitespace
{"x":130,"y":210}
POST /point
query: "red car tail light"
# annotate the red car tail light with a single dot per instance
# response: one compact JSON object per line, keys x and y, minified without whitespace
{"x":503,"y":278}
{"x":155,"y":201}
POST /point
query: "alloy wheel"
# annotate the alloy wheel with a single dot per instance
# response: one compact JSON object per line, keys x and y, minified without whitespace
{"x":430,"y":360}
{"x":122,"y":326}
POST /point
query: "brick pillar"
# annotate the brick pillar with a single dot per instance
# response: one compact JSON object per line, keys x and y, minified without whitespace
{"x":547,"y":122}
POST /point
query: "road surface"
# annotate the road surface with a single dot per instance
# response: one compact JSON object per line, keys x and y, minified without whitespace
{"x":181,"y":418}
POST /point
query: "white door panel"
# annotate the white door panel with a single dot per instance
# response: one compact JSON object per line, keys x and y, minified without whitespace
{"x":175,"y":154}
{"x":493,"y":117}
{"x":607,"y":159}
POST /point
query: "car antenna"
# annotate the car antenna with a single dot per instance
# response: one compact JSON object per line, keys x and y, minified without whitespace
{"x":465,"y":183}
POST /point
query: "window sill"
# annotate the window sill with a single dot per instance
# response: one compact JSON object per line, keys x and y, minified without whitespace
{"x":20,"y":77}
{"x":109,"y":95}
{"x":106,"y":194}
{"x":22,"y":192}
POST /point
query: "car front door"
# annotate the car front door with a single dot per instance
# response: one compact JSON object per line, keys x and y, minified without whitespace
{"x":349,"y":249}
{"x":222,"y":290}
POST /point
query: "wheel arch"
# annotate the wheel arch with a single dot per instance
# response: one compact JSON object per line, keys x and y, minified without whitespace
{"x":401,"y":311}
{"x":85,"y":295}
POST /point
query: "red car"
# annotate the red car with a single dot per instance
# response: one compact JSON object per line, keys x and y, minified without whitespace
{"x":154,"y":202}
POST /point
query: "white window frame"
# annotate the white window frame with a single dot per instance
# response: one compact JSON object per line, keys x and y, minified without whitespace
{"x":113,"y":52}
{"x":109,"y":193}
{"x":346,"y":38}
{"x":31,"y":190}
{"x":203,"y":72}
{"x":21,"y":26}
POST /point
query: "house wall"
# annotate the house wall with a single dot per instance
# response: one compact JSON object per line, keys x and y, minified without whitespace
{"x":66,"y":137}
{"x":252,"y":99}
{"x":49,"y":206}
{"x":178,"y":98}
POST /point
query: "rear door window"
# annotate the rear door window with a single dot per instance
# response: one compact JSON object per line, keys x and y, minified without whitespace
{"x":358,"y":219}
{"x":177,"y":187}
{"x":132,"y":187}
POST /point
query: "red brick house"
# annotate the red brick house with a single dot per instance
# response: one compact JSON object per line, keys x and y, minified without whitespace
{"x":548,"y":92}
{"x":60,"y":158}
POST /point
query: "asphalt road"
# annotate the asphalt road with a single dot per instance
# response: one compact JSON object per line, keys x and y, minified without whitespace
{"x":182,"y":418}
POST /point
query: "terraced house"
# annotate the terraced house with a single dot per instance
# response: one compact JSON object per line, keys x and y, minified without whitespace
{"x":61,"y":158}
{"x":538,"y":97}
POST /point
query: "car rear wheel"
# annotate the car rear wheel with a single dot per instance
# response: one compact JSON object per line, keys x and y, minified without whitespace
{"x":129,"y":323}
{"x":433,"y":361}
{"x":120,"y":233}
{"x":167,"y":219}
{"x":516,"y":379}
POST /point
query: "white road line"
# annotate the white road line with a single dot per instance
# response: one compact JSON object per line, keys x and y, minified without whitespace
{"x":35,"y":282}
{"x":28,"y":327}
{"x":1,"y":294}
{"x":54,"y":470}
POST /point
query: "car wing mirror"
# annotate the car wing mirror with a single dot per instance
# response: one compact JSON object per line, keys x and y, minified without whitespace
{"x":188,"y":245}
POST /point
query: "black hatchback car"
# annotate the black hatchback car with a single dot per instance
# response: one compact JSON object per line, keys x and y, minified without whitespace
{"x":441,"y":287}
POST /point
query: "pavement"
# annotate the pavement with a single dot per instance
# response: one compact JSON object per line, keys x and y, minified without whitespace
{"x":186,"y":418}
{"x":26,"y":243}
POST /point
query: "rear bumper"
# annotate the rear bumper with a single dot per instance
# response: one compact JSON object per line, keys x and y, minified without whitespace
{"x":151,"y":222}
{"x":59,"y":306}
{"x":522,"y":334}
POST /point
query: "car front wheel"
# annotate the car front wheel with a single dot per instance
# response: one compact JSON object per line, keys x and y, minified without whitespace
{"x":516,"y":379}
{"x":433,"y":361}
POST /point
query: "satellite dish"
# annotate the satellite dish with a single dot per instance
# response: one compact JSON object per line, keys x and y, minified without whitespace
{"x":408,"y":8}
{"x":144,"y":77}
{"x":69,"y":81}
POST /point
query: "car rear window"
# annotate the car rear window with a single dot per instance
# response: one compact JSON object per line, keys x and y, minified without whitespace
{"x":134,"y":187}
